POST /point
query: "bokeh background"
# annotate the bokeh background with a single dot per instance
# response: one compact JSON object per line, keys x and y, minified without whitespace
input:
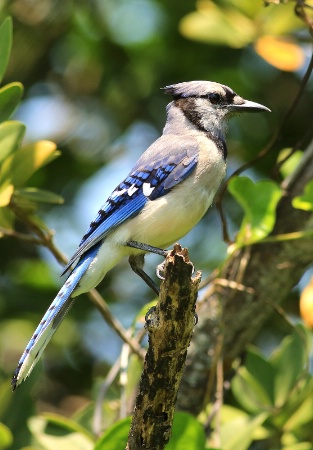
{"x":92,"y":72}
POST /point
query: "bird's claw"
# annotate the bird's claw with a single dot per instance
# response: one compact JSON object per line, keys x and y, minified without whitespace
{"x":151,"y":318}
{"x":160,"y":271}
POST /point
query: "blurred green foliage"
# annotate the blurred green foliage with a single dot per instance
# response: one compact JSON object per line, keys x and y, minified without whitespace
{"x":91,"y":74}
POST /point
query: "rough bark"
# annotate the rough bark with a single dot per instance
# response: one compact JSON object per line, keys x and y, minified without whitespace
{"x":170,"y":327}
{"x":231,"y":317}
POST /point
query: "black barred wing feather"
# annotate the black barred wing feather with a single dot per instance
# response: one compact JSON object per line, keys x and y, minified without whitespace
{"x":147,"y":181}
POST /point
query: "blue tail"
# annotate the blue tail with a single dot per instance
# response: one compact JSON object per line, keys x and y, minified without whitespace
{"x":51,"y":320}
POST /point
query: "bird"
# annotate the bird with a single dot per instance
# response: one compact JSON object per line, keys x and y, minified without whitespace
{"x":164,"y":196}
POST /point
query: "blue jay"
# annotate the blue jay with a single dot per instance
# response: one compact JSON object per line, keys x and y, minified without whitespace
{"x":164,"y":196}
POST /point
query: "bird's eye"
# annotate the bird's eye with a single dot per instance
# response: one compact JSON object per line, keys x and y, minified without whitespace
{"x":214,"y":98}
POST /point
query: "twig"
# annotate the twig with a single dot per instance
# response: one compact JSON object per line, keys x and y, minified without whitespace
{"x":97,"y":416}
{"x":170,"y":329}
{"x":115,"y":324}
{"x":20,"y":236}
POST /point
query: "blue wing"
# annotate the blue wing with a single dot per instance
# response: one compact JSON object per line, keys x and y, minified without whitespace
{"x":158,"y":171}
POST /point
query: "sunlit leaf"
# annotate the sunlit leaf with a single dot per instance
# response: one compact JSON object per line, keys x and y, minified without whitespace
{"x":64,"y":434}
{"x":5,"y":44}
{"x":238,"y":434}
{"x":11,"y":134}
{"x":19,"y":167}
{"x":282,"y":53}
{"x":305,"y":201}
{"x":289,"y":166}
{"x":39,"y":195}
{"x":6,"y":192}
{"x":66,"y":423}
{"x":278,"y":20}
{"x":249,"y":8}
{"x":216,"y":25}
{"x":10,"y":96}
{"x":259,"y":201}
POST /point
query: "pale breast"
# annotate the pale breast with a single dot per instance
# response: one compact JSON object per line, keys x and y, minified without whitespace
{"x":166,"y":219}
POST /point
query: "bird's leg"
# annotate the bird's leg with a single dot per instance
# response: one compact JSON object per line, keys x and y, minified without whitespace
{"x":136,"y":263}
{"x":151,"y":249}
{"x":147,"y":248}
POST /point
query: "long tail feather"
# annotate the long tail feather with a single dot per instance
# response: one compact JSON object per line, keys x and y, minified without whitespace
{"x":50,"y":321}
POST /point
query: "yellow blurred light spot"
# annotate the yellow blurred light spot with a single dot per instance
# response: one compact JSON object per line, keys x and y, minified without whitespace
{"x":281,"y":53}
{"x":6,"y":194}
{"x":217,"y":26}
{"x":306,"y":304}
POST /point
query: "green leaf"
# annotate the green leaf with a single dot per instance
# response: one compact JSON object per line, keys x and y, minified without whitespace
{"x":6,"y":219}
{"x":279,"y":20}
{"x":115,"y":437}
{"x":11,"y":134}
{"x":6,"y":437}
{"x":5,"y":45}
{"x":289,"y":362}
{"x":262,"y":371}
{"x":249,"y":8}
{"x":249,"y":392}
{"x":289,"y":166}
{"x":253,"y":384}
{"x":39,"y":196}
{"x":303,"y":414}
{"x":238,"y":434}
{"x":187,"y":433}
{"x":60,"y":433}
{"x":259,"y":201}
{"x":66,"y":423}
{"x":10,"y":97}
{"x":20,"y":166}
{"x":305,"y":201}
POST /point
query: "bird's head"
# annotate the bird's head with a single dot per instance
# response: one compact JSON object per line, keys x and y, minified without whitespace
{"x":208,"y":105}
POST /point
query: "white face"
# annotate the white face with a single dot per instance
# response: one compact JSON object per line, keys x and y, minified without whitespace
{"x":208,"y":105}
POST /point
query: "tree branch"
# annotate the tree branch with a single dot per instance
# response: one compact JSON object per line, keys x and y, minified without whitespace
{"x":170,"y":328}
